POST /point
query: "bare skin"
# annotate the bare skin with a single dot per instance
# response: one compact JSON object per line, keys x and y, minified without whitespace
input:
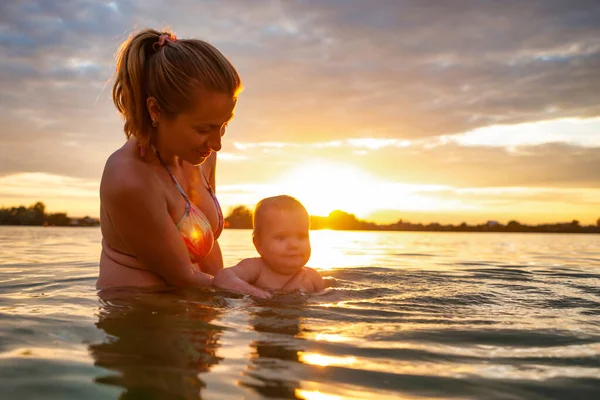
{"x":252,"y":273}
{"x":140,"y":204}
{"x":284,"y":249}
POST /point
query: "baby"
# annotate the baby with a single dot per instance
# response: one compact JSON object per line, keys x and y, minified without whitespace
{"x":280,"y":235}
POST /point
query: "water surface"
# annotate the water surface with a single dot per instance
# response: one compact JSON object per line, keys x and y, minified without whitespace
{"x":414,"y":315}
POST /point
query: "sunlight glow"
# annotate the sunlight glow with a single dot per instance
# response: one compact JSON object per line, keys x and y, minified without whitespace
{"x":325,"y":186}
{"x":231,"y":157}
{"x":376,"y":144}
{"x":386,"y":365}
{"x":320,"y":391}
{"x":331,"y":337}
{"x":47,"y":185}
{"x":323,"y":360}
{"x":315,"y":395}
{"x":60,"y":193}
{"x":78,"y":354}
{"x":328,"y":251}
{"x":574,"y":131}
{"x":326,"y":259}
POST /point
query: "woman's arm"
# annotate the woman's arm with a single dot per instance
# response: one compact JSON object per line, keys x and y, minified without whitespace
{"x":138,"y":213}
{"x":213,"y":262}
{"x":240,"y":277}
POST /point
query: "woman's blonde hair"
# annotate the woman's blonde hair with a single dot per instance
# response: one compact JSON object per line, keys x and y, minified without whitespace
{"x":157,"y":64}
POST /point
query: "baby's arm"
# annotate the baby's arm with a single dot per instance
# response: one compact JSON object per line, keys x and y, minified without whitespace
{"x":240,"y":277}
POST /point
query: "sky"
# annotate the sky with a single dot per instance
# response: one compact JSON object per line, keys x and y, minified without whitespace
{"x":426,"y":111}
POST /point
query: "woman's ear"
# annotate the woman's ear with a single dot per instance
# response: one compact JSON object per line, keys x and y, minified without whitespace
{"x":153,"y":108}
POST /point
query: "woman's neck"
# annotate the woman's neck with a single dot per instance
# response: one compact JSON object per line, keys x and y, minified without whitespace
{"x":168,"y":156}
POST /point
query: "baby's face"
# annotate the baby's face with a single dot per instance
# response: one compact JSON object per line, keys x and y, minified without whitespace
{"x":284,"y":242}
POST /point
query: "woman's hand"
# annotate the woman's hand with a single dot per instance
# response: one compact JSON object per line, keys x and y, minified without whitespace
{"x":227,"y":279}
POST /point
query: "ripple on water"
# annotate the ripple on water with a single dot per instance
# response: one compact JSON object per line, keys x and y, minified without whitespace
{"x":429,"y":316}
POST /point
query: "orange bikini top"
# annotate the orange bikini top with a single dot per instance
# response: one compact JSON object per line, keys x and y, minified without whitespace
{"x":195,"y":228}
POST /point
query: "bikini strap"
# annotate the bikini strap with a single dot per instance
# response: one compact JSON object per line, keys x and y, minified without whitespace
{"x":164,"y":164}
{"x":216,"y":201}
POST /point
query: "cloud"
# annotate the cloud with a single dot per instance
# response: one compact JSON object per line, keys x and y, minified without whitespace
{"x":434,"y":161}
{"x":77,"y":197}
{"x":573,"y":131}
{"x":47,"y":185}
{"x":375,"y":87}
{"x":411,"y":69}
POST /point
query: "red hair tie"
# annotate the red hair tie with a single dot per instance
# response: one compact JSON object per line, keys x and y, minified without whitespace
{"x":165,"y":38}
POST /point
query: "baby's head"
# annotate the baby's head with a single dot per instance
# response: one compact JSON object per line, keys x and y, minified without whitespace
{"x":280,"y":235}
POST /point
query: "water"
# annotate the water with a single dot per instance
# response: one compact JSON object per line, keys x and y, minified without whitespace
{"x":414,"y":315}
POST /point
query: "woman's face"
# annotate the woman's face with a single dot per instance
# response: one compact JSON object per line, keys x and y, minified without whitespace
{"x":194,"y":134}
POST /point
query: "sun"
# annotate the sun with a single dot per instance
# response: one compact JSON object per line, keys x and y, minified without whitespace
{"x":324,"y":186}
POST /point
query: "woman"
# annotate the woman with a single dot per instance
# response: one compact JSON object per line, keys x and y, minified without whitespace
{"x":160,"y":218}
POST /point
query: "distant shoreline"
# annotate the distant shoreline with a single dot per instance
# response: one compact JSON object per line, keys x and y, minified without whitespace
{"x":36,"y":215}
{"x":346,"y":230}
{"x":241,"y":218}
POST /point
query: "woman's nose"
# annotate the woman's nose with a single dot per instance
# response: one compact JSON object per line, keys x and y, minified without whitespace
{"x":215,"y":141}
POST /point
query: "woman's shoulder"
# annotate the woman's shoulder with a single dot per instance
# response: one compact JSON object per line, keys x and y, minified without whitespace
{"x":125,"y":171}
{"x":123,"y":157}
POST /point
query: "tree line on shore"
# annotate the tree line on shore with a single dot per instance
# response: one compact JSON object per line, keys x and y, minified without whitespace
{"x":36,"y":215}
{"x":241,"y":218}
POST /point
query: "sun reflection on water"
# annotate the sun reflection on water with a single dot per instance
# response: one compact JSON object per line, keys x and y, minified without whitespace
{"x":331,"y":337}
{"x":413,"y":312}
{"x":323,"y":360}
{"x":330,"y":250}
{"x":315,"y":395}
{"x":321,"y":391}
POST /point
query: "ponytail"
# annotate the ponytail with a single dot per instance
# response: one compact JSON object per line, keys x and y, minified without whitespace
{"x":156,"y":64}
